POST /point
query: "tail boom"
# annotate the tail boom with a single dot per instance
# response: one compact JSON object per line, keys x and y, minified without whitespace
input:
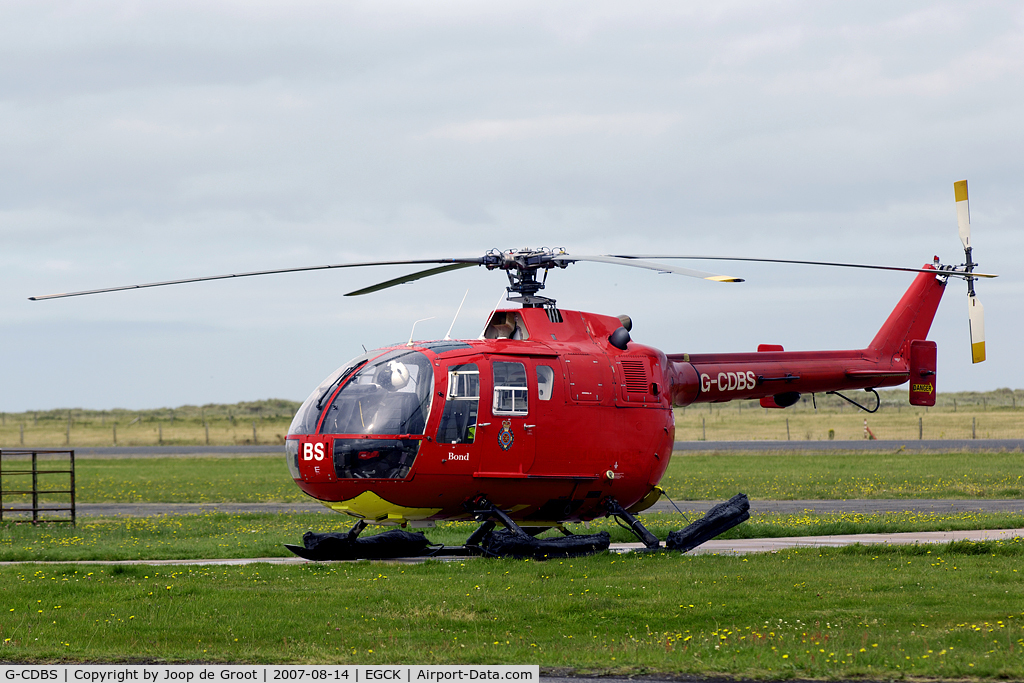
{"x":772,"y":372}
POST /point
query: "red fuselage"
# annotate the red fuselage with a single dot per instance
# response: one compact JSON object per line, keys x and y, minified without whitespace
{"x":545,"y":416}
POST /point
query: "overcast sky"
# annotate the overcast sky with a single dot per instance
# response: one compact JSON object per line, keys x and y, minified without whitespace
{"x":144,"y":141}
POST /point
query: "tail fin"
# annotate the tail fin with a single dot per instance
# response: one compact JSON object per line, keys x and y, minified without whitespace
{"x":911,"y":318}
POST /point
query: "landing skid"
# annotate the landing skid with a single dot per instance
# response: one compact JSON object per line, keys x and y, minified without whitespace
{"x":513,"y":541}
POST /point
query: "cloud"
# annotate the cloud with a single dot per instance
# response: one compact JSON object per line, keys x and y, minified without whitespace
{"x":535,"y":128}
{"x":162,"y":140}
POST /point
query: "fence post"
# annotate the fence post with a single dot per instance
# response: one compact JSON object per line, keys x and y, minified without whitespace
{"x":254,"y":440}
{"x":206,"y":426}
{"x":920,"y":428}
{"x":787,"y":429}
{"x":160,"y":432}
{"x":21,"y":429}
{"x":115,"y":434}
{"x":703,"y":431}
{"x":72,"y":459}
{"x":35,"y":490}
{"x":974,"y":423}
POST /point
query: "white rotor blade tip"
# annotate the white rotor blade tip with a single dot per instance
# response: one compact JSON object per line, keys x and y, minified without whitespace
{"x":976,"y":316}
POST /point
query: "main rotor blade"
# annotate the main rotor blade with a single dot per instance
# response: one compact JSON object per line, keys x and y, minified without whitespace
{"x":976,"y":317}
{"x":410,"y":278}
{"x":636,"y":262}
{"x":463,"y":262}
{"x":954,"y":273}
{"x":963,"y":212}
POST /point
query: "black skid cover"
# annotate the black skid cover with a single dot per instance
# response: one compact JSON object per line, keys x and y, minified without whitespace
{"x":339,"y":546}
{"x":719,"y":519}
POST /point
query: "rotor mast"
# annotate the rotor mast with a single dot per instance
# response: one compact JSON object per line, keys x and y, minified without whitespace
{"x":521,"y":266}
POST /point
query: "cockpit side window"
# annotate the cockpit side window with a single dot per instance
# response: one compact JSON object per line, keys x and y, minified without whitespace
{"x":509,"y":389}
{"x":458,"y":422}
{"x":545,"y":382}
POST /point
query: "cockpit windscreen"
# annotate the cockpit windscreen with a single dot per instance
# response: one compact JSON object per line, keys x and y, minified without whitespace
{"x":388,"y":395}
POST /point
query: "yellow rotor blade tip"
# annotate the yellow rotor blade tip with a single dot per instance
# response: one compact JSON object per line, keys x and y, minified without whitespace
{"x":960,"y":190}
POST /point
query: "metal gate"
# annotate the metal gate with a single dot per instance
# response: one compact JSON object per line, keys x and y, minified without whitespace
{"x":27,"y":486}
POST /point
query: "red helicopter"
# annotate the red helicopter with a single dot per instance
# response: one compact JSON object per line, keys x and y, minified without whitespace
{"x":555,"y":416}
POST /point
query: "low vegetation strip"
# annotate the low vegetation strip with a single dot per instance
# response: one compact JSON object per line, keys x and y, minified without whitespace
{"x":963,"y":415}
{"x":826,"y":476}
{"x":946,"y":613}
{"x":227,"y":536}
{"x":800,"y":476}
{"x":747,"y":421}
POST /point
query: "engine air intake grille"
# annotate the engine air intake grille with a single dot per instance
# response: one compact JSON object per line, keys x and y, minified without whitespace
{"x":635,"y":374}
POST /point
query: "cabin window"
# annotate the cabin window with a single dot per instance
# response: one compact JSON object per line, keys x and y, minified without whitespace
{"x":545,"y":382}
{"x":458,"y":421}
{"x":509,"y":388}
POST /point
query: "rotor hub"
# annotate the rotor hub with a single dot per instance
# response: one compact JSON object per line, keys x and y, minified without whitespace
{"x":522,"y":266}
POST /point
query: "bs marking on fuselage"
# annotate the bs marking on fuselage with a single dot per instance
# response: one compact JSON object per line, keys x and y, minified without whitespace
{"x":313,"y":451}
{"x":729,"y":381}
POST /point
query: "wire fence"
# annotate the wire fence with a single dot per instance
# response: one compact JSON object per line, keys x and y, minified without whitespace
{"x":961,"y":416}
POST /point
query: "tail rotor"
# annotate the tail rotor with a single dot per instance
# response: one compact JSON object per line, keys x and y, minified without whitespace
{"x":975,"y":311}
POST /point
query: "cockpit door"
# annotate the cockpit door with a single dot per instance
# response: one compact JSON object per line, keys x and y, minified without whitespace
{"x":457,"y":431}
{"x":508,"y":436}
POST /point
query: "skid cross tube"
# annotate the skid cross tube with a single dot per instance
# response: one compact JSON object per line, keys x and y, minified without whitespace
{"x":634,"y":525}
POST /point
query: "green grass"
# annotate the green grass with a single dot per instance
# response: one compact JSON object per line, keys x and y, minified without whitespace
{"x":221,"y":535}
{"x":792,"y":476}
{"x":187,"y":480}
{"x":830,"y":476}
{"x":947,"y":612}
{"x":951,"y":611}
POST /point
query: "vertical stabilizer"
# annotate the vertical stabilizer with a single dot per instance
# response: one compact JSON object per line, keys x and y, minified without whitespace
{"x":912,"y":317}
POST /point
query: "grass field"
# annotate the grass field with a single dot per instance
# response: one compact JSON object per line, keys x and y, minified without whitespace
{"x":992,"y":415}
{"x":221,"y":535}
{"x":996,"y":415}
{"x":775,"y":476}
{"x":950,"y":612}
{"x":953,"y":612}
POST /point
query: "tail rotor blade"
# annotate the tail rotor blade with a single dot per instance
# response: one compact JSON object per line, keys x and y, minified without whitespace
{"x":976,"y":315}
{"x":963,"y":214}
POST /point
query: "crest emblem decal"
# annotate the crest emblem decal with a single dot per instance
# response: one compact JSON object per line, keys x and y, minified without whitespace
{"x":505,"y":437}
